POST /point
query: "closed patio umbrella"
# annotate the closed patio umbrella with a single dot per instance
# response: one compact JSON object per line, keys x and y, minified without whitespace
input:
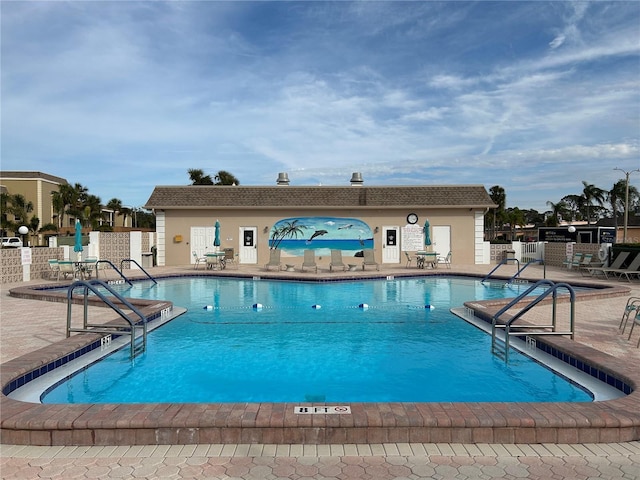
{"x":77,"y":247}
{"x":427,"y":233}
{"x":216,"y":240}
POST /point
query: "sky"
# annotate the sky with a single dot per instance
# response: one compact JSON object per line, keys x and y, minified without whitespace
{"x":121,"y":96}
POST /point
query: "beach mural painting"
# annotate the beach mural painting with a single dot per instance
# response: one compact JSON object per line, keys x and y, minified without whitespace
{"x":321,"y":234}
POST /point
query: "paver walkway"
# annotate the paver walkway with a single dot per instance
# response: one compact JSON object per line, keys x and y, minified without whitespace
{"x":27,"y":325}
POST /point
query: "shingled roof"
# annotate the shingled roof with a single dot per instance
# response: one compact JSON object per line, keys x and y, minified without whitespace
{"x":205,"y":196}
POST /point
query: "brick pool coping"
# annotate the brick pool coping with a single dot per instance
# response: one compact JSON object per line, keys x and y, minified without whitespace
{"x":276,"y":423}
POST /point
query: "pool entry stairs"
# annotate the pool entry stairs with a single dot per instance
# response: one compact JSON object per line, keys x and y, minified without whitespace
{"x":513,"y":278}
{"x":503,"y":329}
{"x":136,"y":328}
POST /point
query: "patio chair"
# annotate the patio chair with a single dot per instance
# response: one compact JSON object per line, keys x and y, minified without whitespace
{"x":198,"y":260}
{"x":409,"y":259}
{"x":336,"y":260}
{"x":636,"y":320}
{"x":630,"y":310}
{"x":369,"y":259}
{"x":230,"y":257}
{"x":309,"y":260}
{"x":446,"y":260}
{"x":89,"y":266}
{"x":67,"y":269}
{"x":616,"y":264}
{"x":54,"y":269}
{"x":274,"y":259}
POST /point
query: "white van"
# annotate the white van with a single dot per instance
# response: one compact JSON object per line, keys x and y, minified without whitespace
{"x":11,"y":242}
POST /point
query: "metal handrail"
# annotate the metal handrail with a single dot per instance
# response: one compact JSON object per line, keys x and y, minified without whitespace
{"x":553,"y":289}
{"x":504,"y":261}
{"x":138,"y":265}
{"x":517,"y":274}
{"x":106,"y":328}
{"x":108,"y":262}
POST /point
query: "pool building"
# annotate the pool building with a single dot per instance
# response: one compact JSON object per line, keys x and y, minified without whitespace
{"x":388,"y":219}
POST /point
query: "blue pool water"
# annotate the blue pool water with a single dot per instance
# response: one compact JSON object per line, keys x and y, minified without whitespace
{"x":289,"y":351}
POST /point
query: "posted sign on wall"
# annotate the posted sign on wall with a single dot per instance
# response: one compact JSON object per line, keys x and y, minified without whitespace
{"x":412,"y":238}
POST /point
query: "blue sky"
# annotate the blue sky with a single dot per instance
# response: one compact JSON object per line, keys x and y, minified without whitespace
{"x":122,"y":96}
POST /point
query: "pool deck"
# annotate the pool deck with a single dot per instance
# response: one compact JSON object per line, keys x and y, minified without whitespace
{"x":398,"y":441}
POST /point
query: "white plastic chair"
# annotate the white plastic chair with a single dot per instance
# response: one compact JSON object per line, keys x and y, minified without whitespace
{"x":198,"y":260}
{"x":446,"y":260}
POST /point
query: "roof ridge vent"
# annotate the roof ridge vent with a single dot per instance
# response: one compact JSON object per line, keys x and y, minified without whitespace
{"x":283,"y":178}
{"x":356,"y":179}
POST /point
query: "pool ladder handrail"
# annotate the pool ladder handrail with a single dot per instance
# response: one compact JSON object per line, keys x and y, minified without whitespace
{"x":504,"y":261}
{"x":131,"y":260}
{"x":520,"y":270}
{"x":106,"y":328}
{"x":553,"y":289}
{"x":108,"y":262}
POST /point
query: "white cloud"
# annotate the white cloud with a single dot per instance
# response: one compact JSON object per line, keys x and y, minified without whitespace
{"x":430,"y":93}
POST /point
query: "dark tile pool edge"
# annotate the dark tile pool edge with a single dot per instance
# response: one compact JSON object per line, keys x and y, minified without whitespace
{"x":165,"y":423}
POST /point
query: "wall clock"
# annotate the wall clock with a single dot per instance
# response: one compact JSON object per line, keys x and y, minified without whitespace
{"x":412,"y":218}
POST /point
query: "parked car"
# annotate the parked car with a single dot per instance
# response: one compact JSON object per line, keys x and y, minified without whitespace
{"x":11,"y":242}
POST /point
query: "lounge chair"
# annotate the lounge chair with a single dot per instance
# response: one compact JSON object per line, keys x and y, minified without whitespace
{"x":585,"y":262}
{"x":198,"y":260}
{"x":336,"y":260}
{"x":54,"y":269}
{"x":632,"y":269}
{"x":309,"y":260}
{"x":274,"y":259}
{"x":573,"y":261}
{"x":446,"y":260}
{"x":369,"y":259}
{"x":409,"y":259}
{"x":616,"y":264}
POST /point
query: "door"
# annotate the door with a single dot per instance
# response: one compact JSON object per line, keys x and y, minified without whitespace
{"x":584,"y":237}
{"x":200,"y":240}
{"x":390,"y":245}
{"x":441,"y":239}
{"x":248,"y":253}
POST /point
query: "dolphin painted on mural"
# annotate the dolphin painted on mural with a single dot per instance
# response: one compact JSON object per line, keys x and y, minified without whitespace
{"x":345,"y":226}
{"x":317,"y":233}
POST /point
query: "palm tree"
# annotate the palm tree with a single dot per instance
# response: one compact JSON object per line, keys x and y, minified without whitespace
{"x":62,"y":201}
{"x":499,"y":197}
{"x":75,"y":200}
{"x":197,"y":177}
{"x":592,"y":193}
{"x":558,"y":211}
{"x":115,"y":204}
{"x":225,"y":178}
{"x":19,"y":208}
{"x":91,"y":212}
{"x":515,"y":218}
{"x":616,"y":197}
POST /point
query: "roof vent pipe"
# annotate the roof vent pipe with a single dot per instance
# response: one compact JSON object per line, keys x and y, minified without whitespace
{"x":356,"y":179}
{"x":283,"y":179}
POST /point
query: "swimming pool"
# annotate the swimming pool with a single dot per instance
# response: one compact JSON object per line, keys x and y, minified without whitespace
{"x":358,"y":341}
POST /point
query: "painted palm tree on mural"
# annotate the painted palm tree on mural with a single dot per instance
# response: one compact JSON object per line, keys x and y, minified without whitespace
{"x":290,"y":229}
